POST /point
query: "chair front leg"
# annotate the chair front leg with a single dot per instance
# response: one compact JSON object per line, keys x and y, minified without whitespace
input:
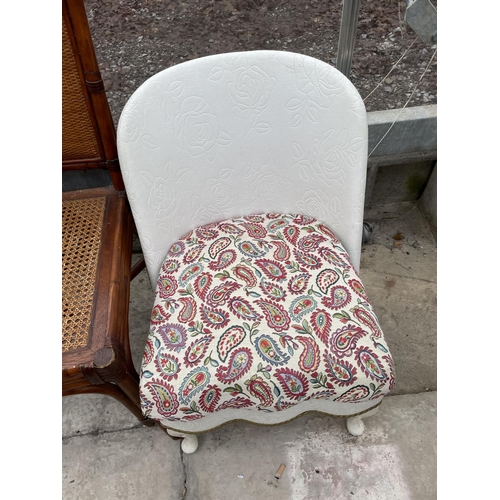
{"x":189,"y":441}
{"x":355,"y":425}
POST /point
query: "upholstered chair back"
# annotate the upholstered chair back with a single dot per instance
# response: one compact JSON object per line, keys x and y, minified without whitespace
{"x":243,"y":133}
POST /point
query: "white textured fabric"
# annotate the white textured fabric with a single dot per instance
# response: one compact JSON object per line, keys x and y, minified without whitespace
{"x":241,"y":133}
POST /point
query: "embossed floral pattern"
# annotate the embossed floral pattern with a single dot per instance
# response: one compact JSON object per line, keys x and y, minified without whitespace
{"x":250,"y":90}
{"x":162,"y":197}
{"x":330,"y":157}
{"x":197,"y":128}
{"x":132,"y":124}
{"x":261,"y":313}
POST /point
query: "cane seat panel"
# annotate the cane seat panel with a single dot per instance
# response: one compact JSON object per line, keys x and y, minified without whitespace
{"x":82,"y":223}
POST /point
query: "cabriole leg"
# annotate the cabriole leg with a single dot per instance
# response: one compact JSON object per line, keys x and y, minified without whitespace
{"x":189,"y":441}
{"x":355,"y":425}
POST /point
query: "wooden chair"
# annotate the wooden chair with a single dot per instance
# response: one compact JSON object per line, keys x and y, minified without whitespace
{"x":97,"y":232}
{"x":246,"y":174}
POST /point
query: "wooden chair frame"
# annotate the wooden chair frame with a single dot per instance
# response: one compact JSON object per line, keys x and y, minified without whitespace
{"x":104,"y":364}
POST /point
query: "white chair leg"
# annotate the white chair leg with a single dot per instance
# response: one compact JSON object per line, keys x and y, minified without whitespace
{"x":189,"y":442}
{"x":355,"y":425}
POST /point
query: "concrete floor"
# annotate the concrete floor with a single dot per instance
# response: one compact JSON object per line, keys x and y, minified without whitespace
{"x":107,"y":455}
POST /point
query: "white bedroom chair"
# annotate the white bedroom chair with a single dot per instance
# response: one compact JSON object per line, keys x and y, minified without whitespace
{"x":246,"y":178}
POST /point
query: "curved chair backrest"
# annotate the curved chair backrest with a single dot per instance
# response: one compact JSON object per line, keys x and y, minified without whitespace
{"x":243,"y":133}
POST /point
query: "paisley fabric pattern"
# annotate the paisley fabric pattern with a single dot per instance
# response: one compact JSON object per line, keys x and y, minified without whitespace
{"x":260,"y":313}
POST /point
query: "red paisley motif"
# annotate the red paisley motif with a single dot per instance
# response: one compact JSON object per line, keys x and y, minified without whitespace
{"x":368,"y":320}
{"x":246,"y":274}
{"x":158,"y":315}
{"x":188,"y":310}
{"x":255,"y":230}
{"x":310,"y":243}
{"x":322,"y":323}
{"x":202,"y":284}
{"x":217,"y":318}
{"x":276,"y":316}
{"x":166,"y":286}
{"x":282,"y":251}
{"x":209,"y":398}
{"x":309,"y":359}
{"x":307,"y":259}
{"x":226,"y":258}
{"x":219,"y":295}
{"x":291,"y":233}
{"x":260,"y":389}
{"x":239,"y":363}
{"x":294,"y":383}
{"x":272,"y":269}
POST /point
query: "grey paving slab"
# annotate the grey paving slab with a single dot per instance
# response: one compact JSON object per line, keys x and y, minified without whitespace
{"x":413,"y":256}
{"x":400,"y":279}
{"x":135,"y":464}
{"x":407,"y":311}
{"x":91,"y":413}
{"x":394,"y":459}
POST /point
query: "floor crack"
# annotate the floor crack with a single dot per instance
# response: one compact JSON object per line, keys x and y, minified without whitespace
{"x":400,"y":275}
{"x":184,"y":472}
{"x":100,"y":432}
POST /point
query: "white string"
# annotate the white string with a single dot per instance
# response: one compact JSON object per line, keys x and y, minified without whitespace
{"x":406,"y":103}
{"x":392,"y":69}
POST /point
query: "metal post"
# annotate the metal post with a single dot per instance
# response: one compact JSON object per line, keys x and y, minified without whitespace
{"x":348,"y":25}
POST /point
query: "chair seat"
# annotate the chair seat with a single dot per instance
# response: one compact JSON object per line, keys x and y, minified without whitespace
{"x":261,"y":318}
{"x":97,"y":248}
{"x":81,"y":243}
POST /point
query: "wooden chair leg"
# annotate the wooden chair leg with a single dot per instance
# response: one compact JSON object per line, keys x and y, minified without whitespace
{"x":120,"y":379}
{"x":115,"y":392}
{"x":137,"y":268}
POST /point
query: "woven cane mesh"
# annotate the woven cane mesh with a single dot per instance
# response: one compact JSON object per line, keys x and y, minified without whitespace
{"x":78,"y":137}
{"x":82,"y":224}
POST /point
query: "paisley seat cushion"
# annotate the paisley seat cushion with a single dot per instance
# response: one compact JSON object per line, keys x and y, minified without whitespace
{"x":260,"y":314}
